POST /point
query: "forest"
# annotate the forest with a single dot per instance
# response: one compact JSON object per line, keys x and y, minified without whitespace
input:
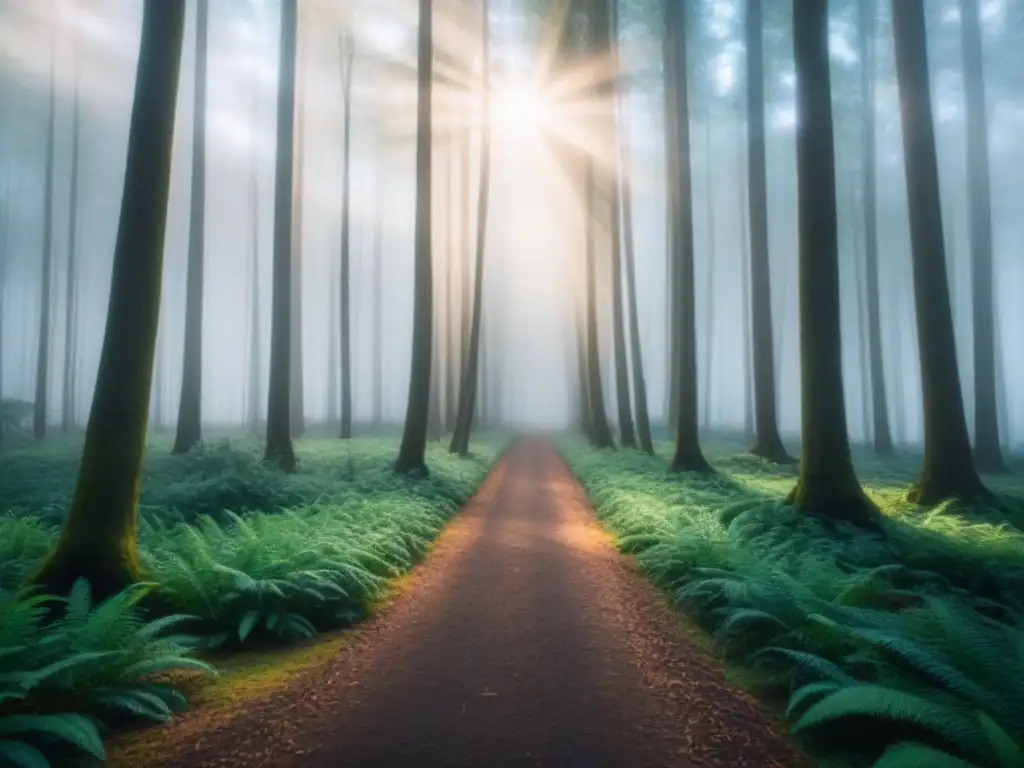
{"x":511,"y":383}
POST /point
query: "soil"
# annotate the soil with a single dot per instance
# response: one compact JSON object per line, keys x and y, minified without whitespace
{"x":524,"y":639}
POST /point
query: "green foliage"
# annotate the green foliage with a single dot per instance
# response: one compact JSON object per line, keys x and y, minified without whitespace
{"x":69,"y":669}
{"x":906,"y":649}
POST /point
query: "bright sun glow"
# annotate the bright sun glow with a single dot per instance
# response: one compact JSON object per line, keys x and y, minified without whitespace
{"x":519,"y":109}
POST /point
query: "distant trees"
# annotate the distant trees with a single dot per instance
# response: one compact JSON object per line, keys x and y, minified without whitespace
{"x":949,"y":469}
{"x":279,"y":439}
{"x":71,"y":265}
{"x":412,"y":453}
{"x":97,"y":541}
{"x":190,"y":408}
{"x":827,"y":485}
{"x":347,"y":50}
{"x":41,"y":403}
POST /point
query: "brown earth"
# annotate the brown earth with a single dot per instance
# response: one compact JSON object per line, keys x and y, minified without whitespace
{"x":524,"y":639}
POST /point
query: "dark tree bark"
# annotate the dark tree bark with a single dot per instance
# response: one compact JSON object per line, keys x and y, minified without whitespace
{"x":279,"y":436}
{"x":879,"y":402}
{"x":190,"y":408}
{"x":688,"y":454}
{"x":71,"y":274}
{"x":255,"y":315}
{"x":988,"y":454}
{"x":471,"y":370}
{"x":347,"y":54}
{"x":40,"y":406}
{"x":827,"y":485}
{"x":862,"y":329}
{"x":949,"y":469}
{"x":749,"y":431}
{"x":98,"y":538}
{"x":709,"y":338}
{"x":602,"y":433}
{"x":412,"y":453}
{"x":769,"y":443}
{"x":643,"y":424}
{"x":297,"y":390}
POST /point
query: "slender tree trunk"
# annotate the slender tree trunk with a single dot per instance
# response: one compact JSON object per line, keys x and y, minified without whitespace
{"x":688,"y":454}
{"x":279,"y":440}
{"x":297,"y":399}
{"x":988,"y":454}
{"x":347,"y":53}
{"x":412,"y":453}
{"x":749,"y":431}
{"x":97,"y":541}
{"x":71,"y":275}
{"x":190,"y":409}
{"x":470,"y":372}
{"x":862,"y":332}
{"x":949,"y":469}
{"x":879,"y":403}
{"x":643,"y":424}
{"x":255,"y":317}
{"x":453,"y":353}
{"x":602,"y":437}
{"x":40,"y":407}
{"x":378,"y":304}
{"x":467,"y":248}
{"x":827,"y":485}
{"x":709,"y":339}
{"x":769,"y":443}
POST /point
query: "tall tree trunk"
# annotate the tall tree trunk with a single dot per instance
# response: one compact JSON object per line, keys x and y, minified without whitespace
{"x":190,"y":409}
{"x":988,"y":454}
{"x":98,"y":538}
{"x":347,"y":55}
{"x":749,"y":431}
{"x":296,"y":397}
{"x":71,"y":274}
{"x":769,"y":444}
{"x":378,"y":302}
{"x":453,"y":354}
{"x":255,"y":316}
{"x":827,"y":485}
{"x":467,"y":248}
{"x":602,"y":437}
{"x":279,"y":410}
{"x":862,"y":330}
{"x":879,"y":403}
{"x":949,"y":469}
{"x":709,"y":339}
{"x":688,"y":454}
{"x":412,"y":453}
{"x":471,"y":370}
{"x":643,"y":424}
{"x":39,"y":409}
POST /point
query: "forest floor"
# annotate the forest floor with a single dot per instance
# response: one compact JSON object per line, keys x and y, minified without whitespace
{"x":523,"y":639}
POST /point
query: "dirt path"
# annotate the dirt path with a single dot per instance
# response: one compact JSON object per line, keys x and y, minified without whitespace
{"x":523,"y":640}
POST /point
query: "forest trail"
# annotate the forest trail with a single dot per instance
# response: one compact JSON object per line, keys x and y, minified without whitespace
{"x":524,"y":639}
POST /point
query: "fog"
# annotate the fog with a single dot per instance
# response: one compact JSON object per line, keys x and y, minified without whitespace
{"x":532,"y":261}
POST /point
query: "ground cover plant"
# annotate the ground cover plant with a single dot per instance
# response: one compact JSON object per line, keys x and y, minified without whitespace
{"x":901,"y":649}
{"x":235,"y":552}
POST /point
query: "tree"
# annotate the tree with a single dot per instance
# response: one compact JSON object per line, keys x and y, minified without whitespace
{"x":827,"y":485}
{"x":688,"y":454}
{"x":879,"y":403}
{"x":97,"y":541}
{"x":190,"y":407}
{"x":411,"y":454}
{"x":296,"y":396}
{"x":471,"y":370}
{"x":988,"y":454}
{"x":253,"y":388}
{"x":43,"y":348}
{"x":347,"y":51}
{"x":279,"y":439}
{"x":949,"y":469}
{"x":769,"y":444}
{"x":70,"y":274}
{"x":378,"y":293}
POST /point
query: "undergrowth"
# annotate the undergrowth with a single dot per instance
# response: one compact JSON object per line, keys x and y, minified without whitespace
{"x":899,"y":650}
{"x":235,"y":553}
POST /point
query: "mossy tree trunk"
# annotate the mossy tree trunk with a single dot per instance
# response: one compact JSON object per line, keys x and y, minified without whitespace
{"x":279,"y":437}
{"x":882,"y":434}
{"x":688,"y":455}
{"x":988,"y":454}
{"x":347,"y":46}
{"x":412,"y":452}
{"x":827,"y":485}
{"x":470,"y":372}
{"x":41,"y":404}
{"x":768,"y":443}
{"x":190,"y":407}
{"x":97,"y":541}
{"x":949,"y":469}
